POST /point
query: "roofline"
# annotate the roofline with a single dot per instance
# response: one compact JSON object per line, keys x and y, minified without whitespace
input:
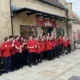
{"x":54,"y":5}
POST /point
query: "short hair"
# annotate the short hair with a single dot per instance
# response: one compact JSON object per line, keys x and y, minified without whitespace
{"x":10,"y":36}
{"x":6,"y":38}
{"x":16,"y":36}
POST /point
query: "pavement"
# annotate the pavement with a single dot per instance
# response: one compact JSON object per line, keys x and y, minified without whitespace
{"x":66,"y":67}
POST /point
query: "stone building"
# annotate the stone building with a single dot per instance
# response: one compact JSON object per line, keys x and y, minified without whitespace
{"x":25,"y":17}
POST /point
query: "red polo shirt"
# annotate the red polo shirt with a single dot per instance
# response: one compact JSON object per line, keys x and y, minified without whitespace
{"x":65,"y":44}
{"x":12,"y":51}
{"x":60,"y":40}
{"x":31,"y":43}
{"x":49,"y":45}
{"x":68,"y":42}
{"x":38,"y":49}
{"x":6,"y":49}
{"x":0,"y":52}
{"x":16,"y":43}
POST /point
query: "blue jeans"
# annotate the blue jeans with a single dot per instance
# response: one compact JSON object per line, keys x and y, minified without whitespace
{"x":7,"y":63}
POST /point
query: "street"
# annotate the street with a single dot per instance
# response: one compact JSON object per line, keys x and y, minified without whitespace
{"x":64,"y":68}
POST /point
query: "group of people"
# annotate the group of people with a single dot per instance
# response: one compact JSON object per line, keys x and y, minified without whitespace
{"x":16,"y":52}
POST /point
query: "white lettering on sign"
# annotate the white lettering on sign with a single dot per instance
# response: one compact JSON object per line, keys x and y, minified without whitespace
{"x":47,"y":23}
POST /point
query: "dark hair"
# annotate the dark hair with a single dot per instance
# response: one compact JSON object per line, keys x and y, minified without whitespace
{"x":6,"y":38}
{"x":10,"y":36}
{"x":16,"y":36}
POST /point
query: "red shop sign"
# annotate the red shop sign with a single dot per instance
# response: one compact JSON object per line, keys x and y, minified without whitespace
{"x":45,"y":22}
{"x":40,"y":21}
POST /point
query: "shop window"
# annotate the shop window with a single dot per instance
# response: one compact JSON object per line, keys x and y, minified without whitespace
{"x":60,"y":31}
{"x":26,"y":31}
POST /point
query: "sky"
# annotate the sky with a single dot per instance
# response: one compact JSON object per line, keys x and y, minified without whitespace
{"x":76,"y":6}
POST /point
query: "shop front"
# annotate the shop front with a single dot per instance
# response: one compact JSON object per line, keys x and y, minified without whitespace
{"x":28,"y":22}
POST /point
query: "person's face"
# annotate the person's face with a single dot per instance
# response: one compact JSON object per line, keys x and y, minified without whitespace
{"x":8,"y":40}
{"x":30,"y":38}
{"x":36,"y":39}
{"x":47,"y":38}
{"x":21,"y":38}
{"x":42,"y":39}
{"x":12,"y":39}
{"x":17,"y":38}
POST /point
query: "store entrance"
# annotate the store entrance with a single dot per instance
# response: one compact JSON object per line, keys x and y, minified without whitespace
{"x":47,"y":30}
{"x":26,"y":31}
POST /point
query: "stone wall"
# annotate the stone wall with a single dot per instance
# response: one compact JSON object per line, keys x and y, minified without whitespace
{"x":5,"y":19}
{"x":22,"y":19}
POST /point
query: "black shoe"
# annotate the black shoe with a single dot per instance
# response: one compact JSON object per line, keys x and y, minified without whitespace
{"x":58,"y":57}
{"x":30,"y":65}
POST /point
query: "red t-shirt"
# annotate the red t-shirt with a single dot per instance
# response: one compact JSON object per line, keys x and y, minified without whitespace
{"x":48,"y":45}
{"x":42,"y":45}
{"x":65,"y":44}
{"x":12,"y":51}
{"x":60,"y":40}
{"x":54,"y":43}
{"x":68,"y":42}
{"x":0,"y":52}
{"x":17,"y":43}
{"x":6,"y":49}
{"x":38,"y":49}
{"x":31,"y":43}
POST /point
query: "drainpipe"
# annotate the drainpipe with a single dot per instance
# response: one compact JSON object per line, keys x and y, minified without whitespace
{"x":11,"y":19}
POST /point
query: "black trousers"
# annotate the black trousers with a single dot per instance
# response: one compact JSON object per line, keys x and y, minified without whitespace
{"x":13,"y":62}
{"x":53,"y":53}
{"x":40,"y":57}
{"x":49,"y":54}
{"x":7,"y":63}
{"x":32,"y":58}
{"x":60,"y":49}
{"x":57,"y":51}
{"x":45,"y":55}
{"x":69,"y":48}
{"x":17,"y":60}
{"x":0,"y":65}
{"x":66,"y":50}
{"x":25,"y":57}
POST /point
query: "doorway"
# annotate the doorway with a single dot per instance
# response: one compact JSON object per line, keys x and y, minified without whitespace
{"x":47,"y":30}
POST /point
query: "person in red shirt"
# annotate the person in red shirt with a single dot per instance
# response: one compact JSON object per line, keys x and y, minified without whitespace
{"x":32,"y":51}
{"x":60,"y":43}
{"x":42,"y":46}
{"x":24,"y":52}
{"x":65,"y":44}
{"x":69,"y":44}
{"x":6,"y":53}
{"x":48,"y":46}
{"x":17,"y":50}
{"x":38,"y":50}
{"x":12,"y":52}
{"x":56,"y":47}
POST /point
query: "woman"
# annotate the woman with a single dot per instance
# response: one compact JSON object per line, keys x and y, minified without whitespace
{"x":65,"y":45}
{"x":69,"y":44}
{"x":6,"y":52}
{"x":38,"y":51}
{"x":17,"y":50}
{"x":24,"y":52}
{"x":42,"y":46}
{"x":32,"y":51}
{"x":49,"y":48}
